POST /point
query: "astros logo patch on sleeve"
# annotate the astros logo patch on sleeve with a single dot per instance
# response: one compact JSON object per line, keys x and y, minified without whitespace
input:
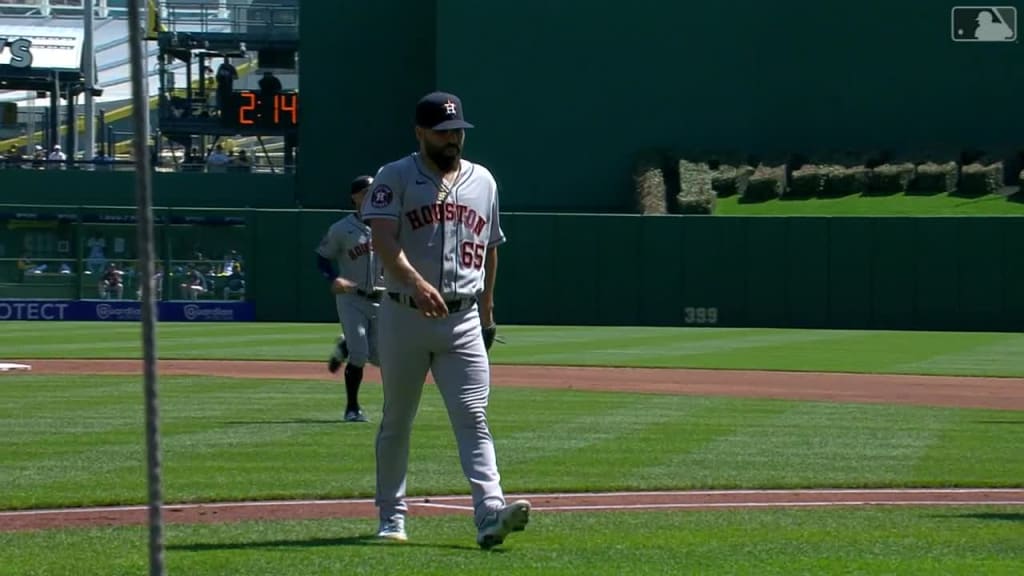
{"x":382,"y":197}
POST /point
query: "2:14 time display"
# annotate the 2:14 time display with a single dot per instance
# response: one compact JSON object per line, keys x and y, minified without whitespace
{"x":255,"y":109}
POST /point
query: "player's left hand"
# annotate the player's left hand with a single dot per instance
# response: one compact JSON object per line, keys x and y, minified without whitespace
{"x":490,"y":333}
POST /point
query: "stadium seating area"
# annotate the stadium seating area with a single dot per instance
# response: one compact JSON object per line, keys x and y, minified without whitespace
{"x":71,"y":260}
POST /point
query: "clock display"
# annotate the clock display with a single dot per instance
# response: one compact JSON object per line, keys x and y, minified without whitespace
{"x":253,"y":108}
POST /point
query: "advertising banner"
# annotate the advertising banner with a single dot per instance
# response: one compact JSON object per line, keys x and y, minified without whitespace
{"x":124,"y":310}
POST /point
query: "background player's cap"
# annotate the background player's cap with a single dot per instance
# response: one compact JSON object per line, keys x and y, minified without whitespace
{"x":360,"y":183}
{"x":440,"y":111}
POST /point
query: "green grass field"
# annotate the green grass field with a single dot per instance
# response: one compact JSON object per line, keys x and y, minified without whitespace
{"x":78,"y":440}
{"x":949,"y":353}
{"x":924,"y":541}
{"x":75,"y":441}
{"x":892,"y":205}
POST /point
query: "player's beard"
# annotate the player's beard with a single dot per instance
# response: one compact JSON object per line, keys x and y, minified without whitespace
{"x":446,"y":157}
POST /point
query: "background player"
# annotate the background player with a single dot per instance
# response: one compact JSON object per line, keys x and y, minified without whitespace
{"x":435,"y":227}
{"x":357,"y":286}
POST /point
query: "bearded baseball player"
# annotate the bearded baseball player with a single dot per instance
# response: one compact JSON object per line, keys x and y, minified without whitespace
{"x":358,"y":287}
{"x":435,"y":224}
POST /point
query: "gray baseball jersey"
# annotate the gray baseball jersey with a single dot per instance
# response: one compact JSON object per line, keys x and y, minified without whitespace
{"x":347,"y":242}
{"x":445,"y":239}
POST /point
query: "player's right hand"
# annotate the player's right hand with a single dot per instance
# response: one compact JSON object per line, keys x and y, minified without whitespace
{"x":429,"y":301}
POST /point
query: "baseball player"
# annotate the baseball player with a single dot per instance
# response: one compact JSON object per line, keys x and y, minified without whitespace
{"x":434,"y":218}
{"x":357,"y":286}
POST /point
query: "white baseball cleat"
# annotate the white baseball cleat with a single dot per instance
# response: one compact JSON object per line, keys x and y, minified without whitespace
{"x":501,"y":522}
{"x":393,"y":530}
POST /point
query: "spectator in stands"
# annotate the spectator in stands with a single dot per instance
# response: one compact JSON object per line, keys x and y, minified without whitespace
{"x":56,"y":159}
{"x":97,"y":257}
{"x":242,"y":162}
{"x":38,"y":157}
{"x":232,"y":262}
{"x":235,"y":284}
{"x":226,"y":76}
{"x":112,"y":283}
{"x":269,"y":85}
{"x":217,"y":161}
{"x":195,"y":284}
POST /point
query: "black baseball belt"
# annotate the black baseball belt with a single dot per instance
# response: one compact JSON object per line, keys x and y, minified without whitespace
{"x":452,"y":305}
{"x":374,"y":296}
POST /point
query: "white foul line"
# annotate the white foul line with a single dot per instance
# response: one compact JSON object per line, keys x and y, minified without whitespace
{"x":775,"y":505}
{"x":444,"y":506}
{"x":770,"y":491}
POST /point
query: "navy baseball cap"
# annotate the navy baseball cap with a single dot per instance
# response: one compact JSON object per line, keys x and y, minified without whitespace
{"x":440,"y":111}
{"x":360,"y":183}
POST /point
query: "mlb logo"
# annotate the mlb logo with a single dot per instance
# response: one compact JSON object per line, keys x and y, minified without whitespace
{"x":984,"y":24}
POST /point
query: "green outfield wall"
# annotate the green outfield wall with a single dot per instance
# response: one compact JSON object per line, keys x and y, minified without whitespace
{"x":877,"y":273}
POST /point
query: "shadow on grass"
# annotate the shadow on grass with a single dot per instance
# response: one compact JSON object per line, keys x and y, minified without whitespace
{"x":1003,"y":516}
{"x":1017,"y":422}
{"x":968,"y":199}
{"x":295,"y":421}
{"x":364,"y":540}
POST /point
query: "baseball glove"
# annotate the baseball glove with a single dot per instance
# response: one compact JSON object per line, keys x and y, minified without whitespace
{"x":490,"y":333}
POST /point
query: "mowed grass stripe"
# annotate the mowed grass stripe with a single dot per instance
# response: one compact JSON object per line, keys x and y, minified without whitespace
{"x":287,"y":436}
{"x":661,"y":352}
{"x":611,"y":434}
{"x":203,"y":424}
{"x":821,"y":444}
{"x":614,"y":448}
{"x":772,"y":349}
{"x":989,"y":358}
{"x":47,"y":330}
{"x":254,"y":346}
{"x":992,"y":445}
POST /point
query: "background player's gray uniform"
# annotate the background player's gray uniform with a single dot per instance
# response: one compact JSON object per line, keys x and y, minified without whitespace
{"x":347,"y":242}
{"x":446,"y":241}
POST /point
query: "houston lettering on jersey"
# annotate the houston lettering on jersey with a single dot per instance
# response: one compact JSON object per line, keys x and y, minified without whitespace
{"x":359,"y":250}
{"x":419,"y":217}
